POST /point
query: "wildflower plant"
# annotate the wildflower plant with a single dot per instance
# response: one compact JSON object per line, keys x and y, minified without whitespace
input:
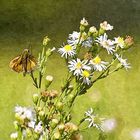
{"x":50,"y":118}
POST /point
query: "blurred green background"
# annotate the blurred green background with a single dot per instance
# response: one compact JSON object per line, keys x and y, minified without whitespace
{"x":28,"y":21}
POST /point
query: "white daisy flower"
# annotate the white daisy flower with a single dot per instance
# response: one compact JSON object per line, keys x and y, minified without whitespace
{"x":109,"y":125}
{"x":67,"y":50}
{"x":89,"y":112}
{"x":31,"y":124}
{"x":98,"y":64}
{"x":19,"y":109}
{"x":86,"y":76}
{"x":120,"y":42}
{"x":106,"y":43}
{"x":77,"y":66}
{"x":84,"y":22}
{"x":14,"y":136}
{"x":73,"y":38}
{"x":88,"y":42}
{"x":29,"y":113}
{"x":25,"y":113}
{"x":93,"y":119}
{"x":123,"y":62}
{"x":39,"y":128}
{"x":106,"y":26}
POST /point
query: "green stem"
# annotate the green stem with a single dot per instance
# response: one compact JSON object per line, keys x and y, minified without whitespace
{"x":69,"y":78}
{"x":34,"y":80}
{"x":78,"y":85}
{"x":40,"y":79}
{"x":78,"y":45}
{"x":81,"y":121}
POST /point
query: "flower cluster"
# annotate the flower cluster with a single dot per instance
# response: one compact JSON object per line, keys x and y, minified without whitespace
{"x":94,"y":42}
{"x":26,"y":120}
{"x":90,"y":56}
{"x":24,"y":115}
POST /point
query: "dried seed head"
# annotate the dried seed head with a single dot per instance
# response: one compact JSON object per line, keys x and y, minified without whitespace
{"x":88,"y":56}
{"x":129,"y":41}
{"x":70,"y":127}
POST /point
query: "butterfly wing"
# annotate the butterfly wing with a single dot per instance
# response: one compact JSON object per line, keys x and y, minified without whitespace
{"x":31,"y":63}
{"x":16,"y":64}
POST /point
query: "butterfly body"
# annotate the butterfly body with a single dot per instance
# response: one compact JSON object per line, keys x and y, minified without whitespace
{"x":25,"y":63}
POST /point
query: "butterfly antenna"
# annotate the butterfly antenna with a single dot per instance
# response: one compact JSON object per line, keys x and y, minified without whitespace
{"x":30,"y":48}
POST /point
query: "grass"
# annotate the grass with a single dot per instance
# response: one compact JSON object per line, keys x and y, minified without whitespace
{"x":28,"y":21}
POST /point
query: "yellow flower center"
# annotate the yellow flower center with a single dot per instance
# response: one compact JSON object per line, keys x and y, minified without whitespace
{"x":120,"y":40}
{"x":78,"y":65}
{"x":86,"y":74}
{"x":97,"y":60}
{"x":96,"y":120}
{"x":105,"y":43}
{"x":68,"y":48}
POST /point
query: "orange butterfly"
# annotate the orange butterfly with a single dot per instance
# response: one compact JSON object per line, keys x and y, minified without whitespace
{"x":25,"y":62}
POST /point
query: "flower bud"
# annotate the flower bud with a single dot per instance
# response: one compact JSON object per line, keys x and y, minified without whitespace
{"x":28,"y":132}
{"x":49,"y":80}
{"x":84,"y":22}
{"x":19,"y":118}
{"x":68,"y":118}
{"x":93,"y":29}
{"x":75,"y":128}
{"x":70,"y":88}
{"x":14,"y":136}
{"x":16,"y":125}
{"x":56,"y":135}
{"x":46,"y":40}
{"x":84,"y":36}
{"x":53,"y":93}
{"x":35,"y":98}
{"x":61,"y":127}
{"x":39,"y":109}
{"x":101,"y":31}
{"x":106,"y":26}
{"x":42,"y":114}
{"x":70,"y":127}
{"x":128,"y":41}
{"x":44,"y":95}
{"x":70,"y":97}
{"x":59,"y":106}
{"x":48,"y":53}
{"x":54,"y":122}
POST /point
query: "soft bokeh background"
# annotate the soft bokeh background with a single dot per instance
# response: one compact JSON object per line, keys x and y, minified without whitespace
{"x":28,"y":21}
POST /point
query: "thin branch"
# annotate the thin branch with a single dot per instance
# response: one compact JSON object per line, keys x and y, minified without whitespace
{"x":34,"y":79}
